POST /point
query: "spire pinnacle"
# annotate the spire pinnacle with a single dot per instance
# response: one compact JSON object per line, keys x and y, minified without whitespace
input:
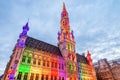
{"x":64,"y":8}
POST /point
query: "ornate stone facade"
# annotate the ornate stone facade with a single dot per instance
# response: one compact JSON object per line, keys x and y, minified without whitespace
{"x":107,"y":70}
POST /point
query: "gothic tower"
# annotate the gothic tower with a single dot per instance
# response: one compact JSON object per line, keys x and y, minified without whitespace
{"x":11,"y":68}
{"x":67,"y":45}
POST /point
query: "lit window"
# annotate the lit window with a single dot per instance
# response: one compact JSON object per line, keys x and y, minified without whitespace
{"x":32,"y":76}
{"x":46,"y":77}
{"x":25,"y":76}
{"x":34,"y":61}
{"x":55,"y":78}
{"x":51,"y":77}
{"x":42,"y":78}
{"x":39,"y":61}
{"x":43,"y":62}
{"x":62,"y":67}
{"x":52,"y":64}
{"x":47,"y":63}
{"x":23,"y":58}
{"x":29,"y":60}
{"x":68,"y":46}
{"x":59,"y":78}
{"x":62,"y":78}
{"x":55,"y":65}
{"x":19,"y":76}
{"x":71,"y":67}
{"x":59,"y":66}
{"x":37,"y":77}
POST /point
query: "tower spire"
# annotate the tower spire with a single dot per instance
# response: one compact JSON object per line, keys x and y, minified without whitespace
{"x":64,"y":8}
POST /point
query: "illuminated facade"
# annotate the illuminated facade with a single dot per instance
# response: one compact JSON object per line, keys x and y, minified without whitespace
{"x":33,"y":59}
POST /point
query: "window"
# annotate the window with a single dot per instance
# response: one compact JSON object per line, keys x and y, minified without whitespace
{"x":62,"y":78}
{"x":46,"y":77}
{"x":59,"y":66}
{"x":29,"y":60}
{"x":71,"y":68}
{"x":32,"y":76}
{"x":43,"y":62}
{"x":47,"y":63}
{"x":59,"y":78}
{"x":39,"y":62}
{"x":55,"y":78}
{"x":52,"y":64}
{"x":51,"y":77}
{"x":37,"y":77}
{"x":68,"y":46}
{"x":55,"y":65}
{"x":34,"y":61}
{"x":23,"y":58}
{"x":19,"y":76}
{"x":25,"y":76}
{"x":62,"y":67}
{"x":42,"y":78}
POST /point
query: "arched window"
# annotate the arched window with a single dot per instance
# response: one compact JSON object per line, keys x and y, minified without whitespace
{"x":25,"y":76}
{"x":37,"y":77}
{"x":52,"y":64}
{"x":68,"y":46}
{"x":46,"y":77}
{"x":51,"y":77}
{"x":55,"y":78}
{"x":62,"y":66}
{"x":59,"y":78}
{"x":56,"y":65}
{"x":34,"y":61}
{"x":59,"y":66}
{"x":19,"y":76}
{"x":47,"y":63}
{"x":23,"y":58}
{"x":43,"y":62}
{"x":62,"y":78}
{"x":39,"y":61}
{"x":32,"y":76}
{"x":29,"y":60}
{"x":71,"y":67}
{"x":42,"y":78}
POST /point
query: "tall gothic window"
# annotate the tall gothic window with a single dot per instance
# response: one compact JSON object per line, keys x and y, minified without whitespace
{"x":62,"y":67}
{"x":37,"y":77}
{"x":71,"y":67}
{"x":42,"y":78}
{"x":25,"y":76}
{"x":62,"y":78}
{"x":46,"y":77}
{"x":29,"y":60}
{"x":55,"y":65}
{"x":43,"y":62}
{"x":34,"y":61}
{"x":68,"y":46}
{"x":52,"y":64}
{"x":39,"y":62}
{"x":19,"y":76}
{"x":23,"y":58}
{"x":51,"y":77}
{"x":47,"y":63}
{"x":55,"y":78}
{"x":32,"y":76}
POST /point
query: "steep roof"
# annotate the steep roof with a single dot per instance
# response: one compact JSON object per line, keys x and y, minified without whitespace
{"x":40,"y":45}
{"x":81,"y":58}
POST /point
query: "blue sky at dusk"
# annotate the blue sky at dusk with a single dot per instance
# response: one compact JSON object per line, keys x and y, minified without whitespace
{"x":96,"y":25}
